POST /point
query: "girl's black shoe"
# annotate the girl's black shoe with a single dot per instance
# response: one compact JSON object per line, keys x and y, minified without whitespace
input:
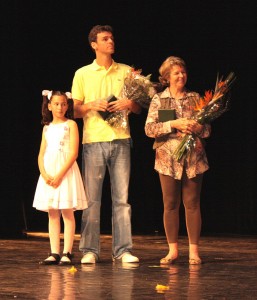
{"x":53,"y":259}
{"x":66,"y":259}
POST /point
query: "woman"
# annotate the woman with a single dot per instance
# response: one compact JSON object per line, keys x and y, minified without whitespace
{"x":180,"y":180}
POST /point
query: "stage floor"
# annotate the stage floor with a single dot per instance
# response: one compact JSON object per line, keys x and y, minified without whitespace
{"x":229,"y":271}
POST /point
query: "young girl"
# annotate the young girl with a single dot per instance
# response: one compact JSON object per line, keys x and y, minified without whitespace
{"x":60,"y":189}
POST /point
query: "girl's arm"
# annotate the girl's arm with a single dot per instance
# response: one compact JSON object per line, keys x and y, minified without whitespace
{"x":73,"y":154}
{"x":43,"y":173}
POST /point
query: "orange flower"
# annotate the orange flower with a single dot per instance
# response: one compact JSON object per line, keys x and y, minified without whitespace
{"x":221,"y":84}
{"x":204,"y":100}
{"x":208,"y":110}
{"x":222,"y":88}
{"x":208,"y":96}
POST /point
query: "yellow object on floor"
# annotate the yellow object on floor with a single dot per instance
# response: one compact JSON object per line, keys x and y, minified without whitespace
{"x":160,"y":287}
{"x":73,"y":270}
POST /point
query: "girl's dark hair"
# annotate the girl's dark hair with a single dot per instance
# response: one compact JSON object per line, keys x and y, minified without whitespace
{"x":47,"y":116}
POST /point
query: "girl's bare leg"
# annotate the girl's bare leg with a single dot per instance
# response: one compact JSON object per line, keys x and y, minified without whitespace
{"x":54,"y":228}
{"x":69,"y":229}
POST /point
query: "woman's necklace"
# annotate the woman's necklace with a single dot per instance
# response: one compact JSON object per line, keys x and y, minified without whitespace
{"x":177,"y":95}
{"x":178,"y":101}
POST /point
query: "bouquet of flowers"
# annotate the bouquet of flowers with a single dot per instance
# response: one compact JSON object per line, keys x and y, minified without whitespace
{"x":137,"y":88}
{"x":208,"y":108}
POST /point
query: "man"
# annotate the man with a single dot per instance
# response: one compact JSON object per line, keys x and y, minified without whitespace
{"x":104,"y":146}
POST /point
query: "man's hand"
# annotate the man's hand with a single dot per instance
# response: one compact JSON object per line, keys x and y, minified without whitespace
{"x":98,"y":105}
{"x":118,"y":105}
{"x":81,"y":109}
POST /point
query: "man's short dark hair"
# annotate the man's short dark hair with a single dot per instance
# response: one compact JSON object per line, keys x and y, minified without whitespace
{"x":92,"y":37}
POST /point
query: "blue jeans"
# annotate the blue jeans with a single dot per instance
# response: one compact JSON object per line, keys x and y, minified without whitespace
{"x":96,"y":157}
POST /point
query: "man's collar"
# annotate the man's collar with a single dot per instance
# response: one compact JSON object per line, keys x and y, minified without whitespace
{"x":96,"y":67}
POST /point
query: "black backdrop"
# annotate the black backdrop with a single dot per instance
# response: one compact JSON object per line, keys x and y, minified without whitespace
{"x":44,"y":42}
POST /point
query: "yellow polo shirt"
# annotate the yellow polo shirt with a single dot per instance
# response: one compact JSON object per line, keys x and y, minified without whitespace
{"x":94,"y":82}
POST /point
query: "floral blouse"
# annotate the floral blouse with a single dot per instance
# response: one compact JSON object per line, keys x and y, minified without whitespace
{"x":193,"y":164}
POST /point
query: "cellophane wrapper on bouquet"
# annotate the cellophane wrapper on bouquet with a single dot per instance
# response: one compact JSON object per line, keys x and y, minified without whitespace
{"x":208,"y":108}
{"x":137,"y":88}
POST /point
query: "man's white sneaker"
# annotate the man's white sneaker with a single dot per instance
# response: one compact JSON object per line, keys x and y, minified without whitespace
{"x":127,"y":257}
{"x":89,"y":258}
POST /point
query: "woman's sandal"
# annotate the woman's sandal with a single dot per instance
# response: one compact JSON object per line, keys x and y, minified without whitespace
{"x":53,"y":259}
{"x":168,"y":261}
{"x":66,"y":259}
{"x":195,"y":261}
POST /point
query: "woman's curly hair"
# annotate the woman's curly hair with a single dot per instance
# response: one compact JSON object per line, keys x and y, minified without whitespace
{"x":166,"y":66}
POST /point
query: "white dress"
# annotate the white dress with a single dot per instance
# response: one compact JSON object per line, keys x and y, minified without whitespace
{"x":70,"y":193}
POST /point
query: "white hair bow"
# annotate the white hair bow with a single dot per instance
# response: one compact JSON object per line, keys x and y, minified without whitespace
{"x":47,"y":93}
{"x":68,"y":94}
